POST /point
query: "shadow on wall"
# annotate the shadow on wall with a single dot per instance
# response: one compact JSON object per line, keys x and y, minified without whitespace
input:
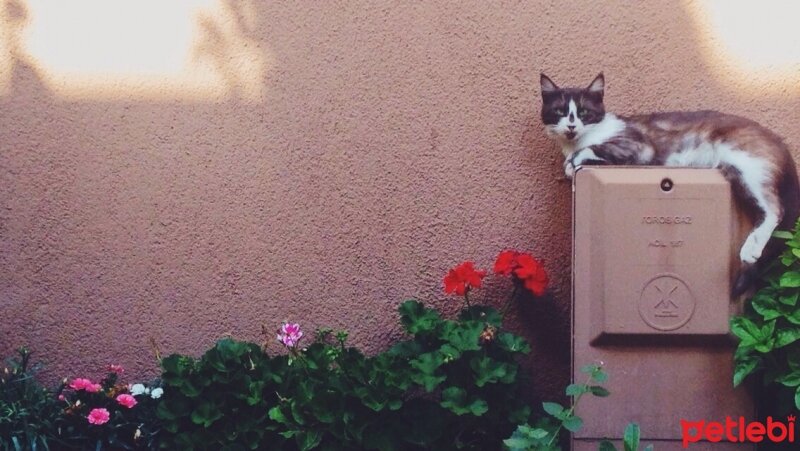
{"x":193,"y":170}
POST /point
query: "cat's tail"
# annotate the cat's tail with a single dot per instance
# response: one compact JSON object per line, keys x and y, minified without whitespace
{"x":789,"y":193}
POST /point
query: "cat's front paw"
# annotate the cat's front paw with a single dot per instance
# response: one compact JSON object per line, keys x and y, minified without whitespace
{"x":751,"y":250}
{"x":569,"y":169}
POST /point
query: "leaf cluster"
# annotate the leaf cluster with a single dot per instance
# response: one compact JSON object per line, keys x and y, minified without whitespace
{"x":769,"y":329}
{"x":545,"y":434}
{"x":28,"y":411}
{"x":453,"y":384}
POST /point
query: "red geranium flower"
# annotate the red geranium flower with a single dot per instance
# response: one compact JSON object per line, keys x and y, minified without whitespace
{"x":506,"y":262}
{"x":524,"y":268}
{"x":532,"y":274}
{"x":463,"y":277}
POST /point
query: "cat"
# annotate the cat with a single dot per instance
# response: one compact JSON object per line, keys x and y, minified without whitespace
{"x":755,"y":160}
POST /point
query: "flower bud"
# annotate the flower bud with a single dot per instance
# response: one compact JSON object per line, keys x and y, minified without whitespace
{"x":488,"y":334}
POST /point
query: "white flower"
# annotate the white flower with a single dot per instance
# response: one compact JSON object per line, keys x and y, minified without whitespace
{"x":137,"y":389}
{"x":147,"y":391}
{"x":156,"y":393}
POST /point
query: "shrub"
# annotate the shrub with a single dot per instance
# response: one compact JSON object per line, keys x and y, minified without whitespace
{"x":28,"y":411}
{"x":453,"y":384}
{"x":769,"y":329}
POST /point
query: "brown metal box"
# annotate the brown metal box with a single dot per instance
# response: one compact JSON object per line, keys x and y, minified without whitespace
{"x":652,"y":260}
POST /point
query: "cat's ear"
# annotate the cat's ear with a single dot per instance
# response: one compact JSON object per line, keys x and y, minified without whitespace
{"x":597,"y":85}
{"x":547,"y":84}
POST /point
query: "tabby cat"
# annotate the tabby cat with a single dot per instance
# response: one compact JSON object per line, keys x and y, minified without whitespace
{"x":754,"y":159}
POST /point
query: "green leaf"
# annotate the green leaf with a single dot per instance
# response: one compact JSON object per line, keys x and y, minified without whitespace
{"x":744,"y":368}
{"x":553,"y":408}
{"x":517,"y":443}
{"x":487,"y":370}
{"x":797,"y":397}
{"x":605,"y":445}
{"x":793,"y":317}
{"x":600,"y":376}
{"x":790,"y":380}
{"x":418,"y":319}
{"x":205,"y":414}
{"x":428,"y":362}
{"x":766,"y":307}
{"x":275,"y":414}
{"x":745,"y":330}
{"x":539,"y":433}
{"x":307,"y":440}
{"x":577,"y":389}
{"x":463,"y":336}
{"x":527,"y":438}
{"x":520,"y":415}
{"x":766,"y":342}
{"x":631,"y":437}
{"x":793,"y":358}
{"x":599,"y":391}
{"x":449,"y":352}
{"x":784,"y":337}
{"x":782,"y":234}
{"x":456,"y":400}
{"x":790,"y":279}
{"x":790,"y":300}
{"x":573,"y":423}
{"x":591,"y":368}
{"x":513,"y":343}
{"x":428,"y":365}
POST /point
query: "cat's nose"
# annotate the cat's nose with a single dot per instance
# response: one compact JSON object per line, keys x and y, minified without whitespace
{"x":571,"y":127}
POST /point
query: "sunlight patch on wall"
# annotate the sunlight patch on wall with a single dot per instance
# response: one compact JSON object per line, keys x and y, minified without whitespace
{"x":754,"y":40}
{"x":152,"y":49}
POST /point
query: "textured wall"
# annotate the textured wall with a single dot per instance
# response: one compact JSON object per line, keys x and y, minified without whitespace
{"x":380,"y":145}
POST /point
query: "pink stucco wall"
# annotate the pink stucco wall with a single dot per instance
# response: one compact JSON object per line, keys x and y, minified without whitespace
{"x":388,"y":141}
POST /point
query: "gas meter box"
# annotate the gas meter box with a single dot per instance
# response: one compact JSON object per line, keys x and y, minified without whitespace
{"x":654,"y":252}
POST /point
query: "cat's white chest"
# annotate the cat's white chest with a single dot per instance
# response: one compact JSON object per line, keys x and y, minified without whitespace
{"x":601,"y":132}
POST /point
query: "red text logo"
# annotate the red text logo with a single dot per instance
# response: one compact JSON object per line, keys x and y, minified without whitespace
{"x":737,"y":431}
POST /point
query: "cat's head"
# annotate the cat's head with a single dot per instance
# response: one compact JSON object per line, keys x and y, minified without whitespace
{"x":568,"y":113}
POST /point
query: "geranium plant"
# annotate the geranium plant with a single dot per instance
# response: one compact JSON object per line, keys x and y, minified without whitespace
{"x":453,"y":384}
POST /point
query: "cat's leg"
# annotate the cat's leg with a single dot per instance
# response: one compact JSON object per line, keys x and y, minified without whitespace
{"x":758,"y":181}
{"x":760,"y":235}
{"x":580,"y":157}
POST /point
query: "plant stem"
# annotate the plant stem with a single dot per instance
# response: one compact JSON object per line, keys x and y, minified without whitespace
{"x":466,"y":297}
{"x":570,"y":412}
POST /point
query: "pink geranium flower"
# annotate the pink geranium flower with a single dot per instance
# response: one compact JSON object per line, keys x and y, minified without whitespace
{"x":116,"y":369}
{"x":93,"y":388}
{"x":80,"y":384}
{"x":126,"y":400}
{"x":98,"y":416}
{"x":290,"y":334}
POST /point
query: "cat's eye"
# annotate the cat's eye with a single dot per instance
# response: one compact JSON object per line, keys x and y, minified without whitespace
{"x":560,"y":112}
{"x":582,"y":113}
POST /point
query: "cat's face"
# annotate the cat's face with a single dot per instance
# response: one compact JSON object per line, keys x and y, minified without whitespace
{"x":569,"y":113}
